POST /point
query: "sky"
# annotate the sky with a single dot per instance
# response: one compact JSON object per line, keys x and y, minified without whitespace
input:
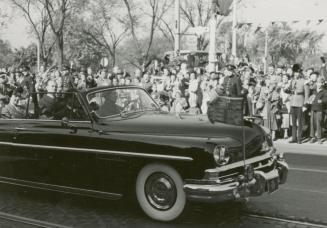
{"x":258,"y":11}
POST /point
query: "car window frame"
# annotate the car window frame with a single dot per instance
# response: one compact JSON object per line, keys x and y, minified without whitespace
{"x":75,"y":97}
{"x":115,"y":88}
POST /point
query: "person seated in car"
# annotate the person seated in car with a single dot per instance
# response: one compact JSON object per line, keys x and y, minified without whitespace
{"x":47,"y":101}
{"x":3,"y":100}
{"x":16,"y":109}
{"x":107,"y":105}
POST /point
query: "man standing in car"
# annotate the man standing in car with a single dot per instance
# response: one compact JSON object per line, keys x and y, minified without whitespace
{"x":232,"y":84}
{"x":299,"y":97}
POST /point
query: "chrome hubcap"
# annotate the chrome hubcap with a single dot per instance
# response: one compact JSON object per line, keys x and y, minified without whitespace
{"x":160,"y":191}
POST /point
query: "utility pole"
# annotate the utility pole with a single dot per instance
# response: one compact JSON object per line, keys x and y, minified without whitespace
{"x":177,"y":28}
{"x":234,"y":51}
{"x":212,"y":37}
{"x":266,"y":50}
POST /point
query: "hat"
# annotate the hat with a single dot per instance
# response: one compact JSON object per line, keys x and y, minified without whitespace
{"x":178,"y":91}
{"x":296,"y":68}
{"x":65,"y":67}
{"x":214,"y":76}
{"x":230,"y":67}
{"x":16,"y":70}
{"x":3,"y":97}
{"x":26,"y":68}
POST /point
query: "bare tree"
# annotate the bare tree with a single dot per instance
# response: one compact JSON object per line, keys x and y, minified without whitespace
{"x":3,"y":17}
{"x":108,"y":29}
{"x":153,"y":10}
{"x":198,"y":13}
{"x":39,"y":24}
{"x":58,"y":12}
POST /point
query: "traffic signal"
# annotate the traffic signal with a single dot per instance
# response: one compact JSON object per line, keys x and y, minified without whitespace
{"x":223,"y":7}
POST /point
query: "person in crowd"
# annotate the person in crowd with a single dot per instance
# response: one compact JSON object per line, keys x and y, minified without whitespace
{"x":101,"y":80}
{"x":299,"y":97}
{"x":318,"y":107}
{"x":276,"y":76}
{"x":179,"y":103}
{"x":232,"y":84}
{"x":16,"y":109}
{"x":146,"y":84}
{"x":47,"y":101}
{"x":274,"y":101}
{"x":3,"y":102}
{"x":193,"y":90}
{"x":205,"y":95}
{"x":286,"y":108}
{"x":90,"y":82}
{"x":282,"y":93}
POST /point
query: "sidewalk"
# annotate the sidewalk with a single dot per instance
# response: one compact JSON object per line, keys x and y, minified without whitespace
{"x":304,"y":148}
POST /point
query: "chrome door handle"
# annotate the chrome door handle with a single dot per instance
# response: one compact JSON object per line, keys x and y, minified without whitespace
{"x":20,"y":128}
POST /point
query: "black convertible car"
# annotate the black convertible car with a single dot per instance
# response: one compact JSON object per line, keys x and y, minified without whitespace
{"x":112,"y":142}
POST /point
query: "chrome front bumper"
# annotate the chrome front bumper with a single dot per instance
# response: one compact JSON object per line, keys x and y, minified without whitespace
{"x":240,"y":187}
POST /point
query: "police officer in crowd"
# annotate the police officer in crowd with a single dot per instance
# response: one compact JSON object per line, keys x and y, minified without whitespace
{"x":232,"y":83}
{"x":299,"y":97}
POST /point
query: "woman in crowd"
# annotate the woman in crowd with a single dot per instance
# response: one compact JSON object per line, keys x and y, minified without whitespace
{"x":286,"y":107}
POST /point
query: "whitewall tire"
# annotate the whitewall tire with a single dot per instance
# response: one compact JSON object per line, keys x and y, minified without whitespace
{"x":159,"y":192}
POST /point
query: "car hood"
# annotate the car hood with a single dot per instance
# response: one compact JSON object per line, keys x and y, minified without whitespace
{"x":185,"y":125}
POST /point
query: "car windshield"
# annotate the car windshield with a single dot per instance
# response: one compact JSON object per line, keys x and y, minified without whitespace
{"x":120,"y":102}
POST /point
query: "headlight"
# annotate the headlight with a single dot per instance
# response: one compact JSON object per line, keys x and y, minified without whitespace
{"x":221,"y":155}
{"x":265,"y":146}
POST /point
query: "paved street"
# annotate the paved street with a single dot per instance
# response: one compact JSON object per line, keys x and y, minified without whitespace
{"x":303,"y":198}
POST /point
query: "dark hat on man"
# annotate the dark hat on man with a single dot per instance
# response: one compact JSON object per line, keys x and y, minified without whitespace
{"x":16,"y":70}
{"x":26,"y":68}
{"x":65,"y":68}
{"x":230,"y":67}
{"x":18,"y":91}
{"x":296,"y":68}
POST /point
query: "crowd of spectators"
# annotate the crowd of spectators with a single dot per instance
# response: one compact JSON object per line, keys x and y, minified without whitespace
{"x":290,"y":101}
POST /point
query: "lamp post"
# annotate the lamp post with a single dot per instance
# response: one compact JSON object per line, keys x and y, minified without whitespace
{"x":212,"y":36}
{"x":177,"y":28}
{"x":234,"y":50}
{"x":266,"y":51}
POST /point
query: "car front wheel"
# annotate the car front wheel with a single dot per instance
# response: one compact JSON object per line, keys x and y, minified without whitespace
{"x":159,"y":192}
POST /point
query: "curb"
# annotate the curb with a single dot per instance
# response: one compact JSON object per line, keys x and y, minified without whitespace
{"x":307,"y":149}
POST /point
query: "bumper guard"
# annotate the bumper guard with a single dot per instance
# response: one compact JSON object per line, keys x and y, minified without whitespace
{"x":241,"y":187}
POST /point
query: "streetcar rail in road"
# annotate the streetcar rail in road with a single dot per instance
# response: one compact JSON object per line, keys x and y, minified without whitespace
{"x":29,"y":221}
{"x":291,"y":221}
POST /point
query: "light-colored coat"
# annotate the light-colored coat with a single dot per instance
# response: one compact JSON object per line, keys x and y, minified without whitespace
{"x":300,"y":93}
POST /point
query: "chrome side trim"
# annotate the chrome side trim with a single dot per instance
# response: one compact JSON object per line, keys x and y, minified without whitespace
{"x":240,"y":163}
{"x":59,"y":188}
{"x":46,"y":120}
{"x":112,"y":152}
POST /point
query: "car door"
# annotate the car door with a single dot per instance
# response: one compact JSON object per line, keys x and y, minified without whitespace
{"x":7,"y":158}
{"x":57,"y":143}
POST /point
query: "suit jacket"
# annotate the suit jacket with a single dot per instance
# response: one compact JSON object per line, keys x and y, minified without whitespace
{"x":300,"y":93}
{"x":320,"y":101}
{"x":232,"y":86}
{"x":323,"y":72}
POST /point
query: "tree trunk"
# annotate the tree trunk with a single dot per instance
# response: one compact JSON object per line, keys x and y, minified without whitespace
{"x":113,"y":57}
{"x":44,"y":61}
{"x":60,"y":50}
